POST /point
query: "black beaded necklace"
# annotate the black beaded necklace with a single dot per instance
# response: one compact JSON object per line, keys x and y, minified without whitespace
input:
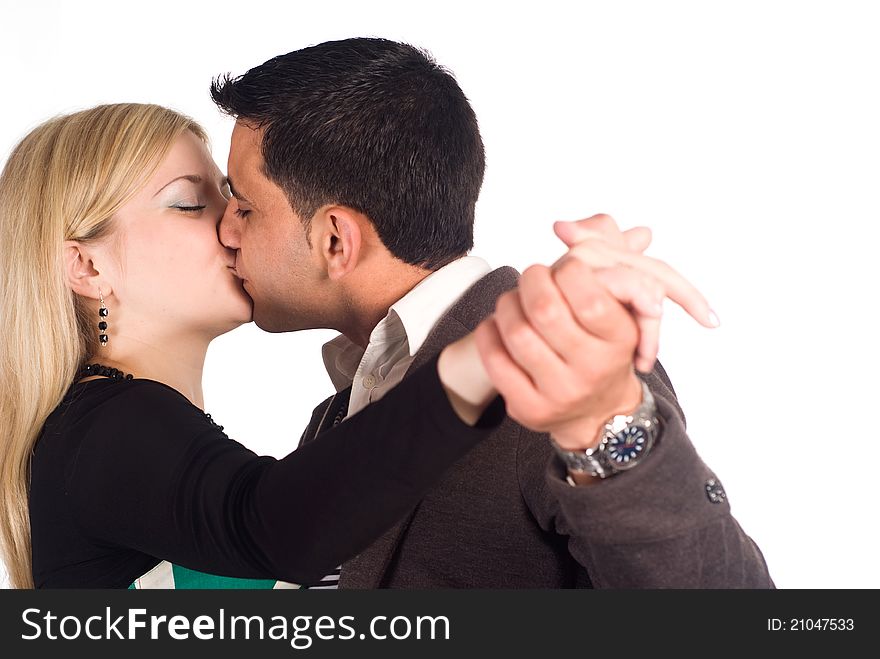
{"x":90,"y":370}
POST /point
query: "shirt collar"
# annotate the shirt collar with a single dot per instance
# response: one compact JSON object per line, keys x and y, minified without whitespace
{"x":420,"y":309}
{"x":411,"y":318}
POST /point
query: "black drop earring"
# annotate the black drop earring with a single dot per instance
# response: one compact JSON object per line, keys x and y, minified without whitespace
{"x":103,"y":312}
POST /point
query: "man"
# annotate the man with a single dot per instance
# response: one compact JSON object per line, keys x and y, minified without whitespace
{"x":355,"y":168}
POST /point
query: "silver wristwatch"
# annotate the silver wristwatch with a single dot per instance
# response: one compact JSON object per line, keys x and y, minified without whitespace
{"x":626,"y":440}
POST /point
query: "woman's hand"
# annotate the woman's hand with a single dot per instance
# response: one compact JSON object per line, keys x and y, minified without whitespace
{"x":638,"y":281}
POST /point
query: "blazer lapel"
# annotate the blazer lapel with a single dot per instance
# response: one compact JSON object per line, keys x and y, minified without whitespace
{"x":368,"y":569}
{"x":326,"y":415}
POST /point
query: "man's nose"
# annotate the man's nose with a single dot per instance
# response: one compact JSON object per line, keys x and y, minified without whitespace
{"x":228,"y":230}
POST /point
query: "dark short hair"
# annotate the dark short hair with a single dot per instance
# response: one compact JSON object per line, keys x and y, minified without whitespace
{"x":371,"y":124}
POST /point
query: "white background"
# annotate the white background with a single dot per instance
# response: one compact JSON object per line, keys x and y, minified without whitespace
{"x":747,"y":134}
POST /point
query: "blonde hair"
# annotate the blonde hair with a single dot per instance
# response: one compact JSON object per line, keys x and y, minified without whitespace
{"x":64,"y":181}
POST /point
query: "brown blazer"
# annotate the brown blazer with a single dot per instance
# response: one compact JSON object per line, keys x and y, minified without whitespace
{"x":504,"y":517}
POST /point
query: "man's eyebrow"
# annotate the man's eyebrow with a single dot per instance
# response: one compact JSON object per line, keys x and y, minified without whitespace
{"x":236,"y":193}
{"x":193,"y":178}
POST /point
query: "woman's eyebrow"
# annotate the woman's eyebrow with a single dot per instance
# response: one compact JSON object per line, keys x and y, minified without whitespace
{"x":194,"y":178}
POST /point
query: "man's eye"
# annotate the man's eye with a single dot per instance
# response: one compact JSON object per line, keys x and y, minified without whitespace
{"x":240,"y":212}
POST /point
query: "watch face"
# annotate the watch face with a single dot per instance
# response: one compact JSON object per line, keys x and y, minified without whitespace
{"x":626,"y":447}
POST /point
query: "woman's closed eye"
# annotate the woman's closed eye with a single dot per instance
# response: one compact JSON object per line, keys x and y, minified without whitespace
{"x":188,"y":209}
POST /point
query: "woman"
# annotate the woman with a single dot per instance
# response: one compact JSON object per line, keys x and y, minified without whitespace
{"x":109,"y":467}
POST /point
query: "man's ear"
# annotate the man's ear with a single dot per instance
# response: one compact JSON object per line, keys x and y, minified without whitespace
{"x":340,"y":238}
{"x":79,"y":270}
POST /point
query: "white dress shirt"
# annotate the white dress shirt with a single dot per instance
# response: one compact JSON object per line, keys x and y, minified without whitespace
{"x":399,"y":335}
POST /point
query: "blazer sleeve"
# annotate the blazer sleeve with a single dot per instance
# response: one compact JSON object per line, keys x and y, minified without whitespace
{"x":155,"y":476}
{"x":652,"y":527}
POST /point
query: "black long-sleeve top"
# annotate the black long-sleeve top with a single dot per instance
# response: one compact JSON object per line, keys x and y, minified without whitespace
{"x":126,"y":474}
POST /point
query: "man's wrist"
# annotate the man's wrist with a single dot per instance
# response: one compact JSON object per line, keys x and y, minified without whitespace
{"x":587,"y":432}
{"x":622,"y":443}
{"x":580,"y":436}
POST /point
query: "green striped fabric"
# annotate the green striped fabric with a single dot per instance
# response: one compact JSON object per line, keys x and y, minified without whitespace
{"x":168,"y":575}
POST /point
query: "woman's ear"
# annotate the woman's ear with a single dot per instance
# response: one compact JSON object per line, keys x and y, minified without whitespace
{"x":340,"y":237}
{"x":79,"y":270}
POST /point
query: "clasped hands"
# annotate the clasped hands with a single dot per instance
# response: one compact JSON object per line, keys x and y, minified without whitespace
{"x":564,"y":346}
